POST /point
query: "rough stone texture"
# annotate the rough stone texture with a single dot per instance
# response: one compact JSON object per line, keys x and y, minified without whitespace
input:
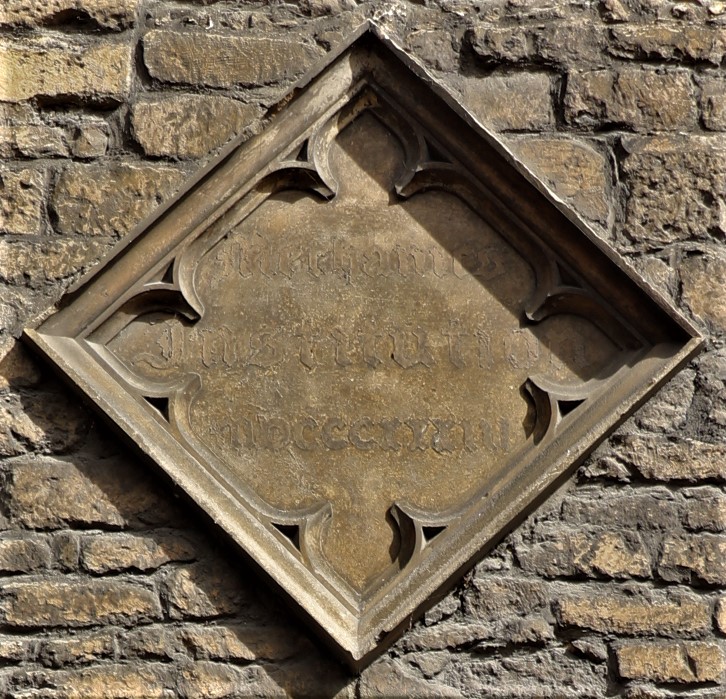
{"x":223,"y":61}
{"x":21,"y":202}
{"x":672,"y":662}
{"x":643,"y":100}
{"x":188,"y":126}
{"x":612,"y":587}
{"x":45,"y":602}
{"x":99,"y":200}
{"x":574,"y":170}
{"x":49,"y":68}
{"x":676,"y":189}
{"x":111,"y":14}
{"x":517,"y":102}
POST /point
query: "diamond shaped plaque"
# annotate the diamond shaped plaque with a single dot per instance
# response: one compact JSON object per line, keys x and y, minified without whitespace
{"x":366,"y":342}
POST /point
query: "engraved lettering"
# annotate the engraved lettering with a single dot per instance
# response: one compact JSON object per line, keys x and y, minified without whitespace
{"x":418,"y":428}
{"x":218,"y":346}
{"x":302,"y":437}
{"x":369,"y":347}
{"x":443,"y":440}
{"x":410,"y":354}
{"x":389,"y":442}
{"x":341,"y":347}
{"x":456,"y":356}
{"x":364,"y":424}
{"x":275,"y":432}
{"x":330,"y":440}
{"x":263,"y":353}
{"x":307,"y":346}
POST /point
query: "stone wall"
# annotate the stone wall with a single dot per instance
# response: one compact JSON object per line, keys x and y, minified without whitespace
{"x":113,"y":585}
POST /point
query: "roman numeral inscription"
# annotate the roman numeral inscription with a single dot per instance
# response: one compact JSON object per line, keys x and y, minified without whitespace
{"x":363,"y":339}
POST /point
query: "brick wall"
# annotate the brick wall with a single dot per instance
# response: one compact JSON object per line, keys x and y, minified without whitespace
{"x":113,"y":585}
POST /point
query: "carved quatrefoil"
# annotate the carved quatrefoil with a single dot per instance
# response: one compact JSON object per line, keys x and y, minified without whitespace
{"x":366,"y":342}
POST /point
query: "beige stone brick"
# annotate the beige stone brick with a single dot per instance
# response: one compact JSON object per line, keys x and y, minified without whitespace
{"x":639,"y":99}
{"x":23,"y":555}
{"x":110,"y":199}
{"x":705,"y":509}
{"x":627,"y":615}
{"x":121,"y":681}
{"x":188,"y":126}
{"x":703,"y":280}
{"x":39,"y":141}
{"x":721,"y":615}
{"x":694,"y":556}
{"x":50,"y":68}
{"x":106,"y":553}
{"x":574,"y":170}
{"x":45,"y":602}
{"x":222,"y":60}
{"x":698,"y":43}
{"x":517,"y":102}
{"x":22,"y":197}
{"x":81,"y":648}
{"x":671,"y":662}
{"x":110,"y":14}
{"x":660,"y":459}
{"x":713,"y":103}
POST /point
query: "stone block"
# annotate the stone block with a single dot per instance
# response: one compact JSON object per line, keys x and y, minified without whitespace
{"x":575,"y":171}
{"x":220,"y":60}
{"x":51,"y":68}
{"x":89,"y":140}
{"x":694,"y":558}
{"x":386,"y":678}
{"x":621,"y":614}
{"x":675,"y":189}
{"x":660,"y":459}
{"x":703,"y":281}
{"x":642,"y":100}
{"x":682,"y":663}
{"x":39,"y":141}
{"x":670,"y":43}
{"x":107,"y":553}
{"x":23,"y":555}
{"x":667,"y":411}
{"x":109,"y":14}
{"x":200,"y":590}
{"x":518,"y":102}
{"x":653,"y":510}
{"x":705,"y":509}
{"x":78,"y":649}
{"x":110,"y":199}
{"x":713,"y":103}
{"x":188,"y":126}
{"x":721,"y":615}
{"x":50,"y":493}
{"x":77,"y":603}
{"x":22,"y":201}
{"x":35,"y":264}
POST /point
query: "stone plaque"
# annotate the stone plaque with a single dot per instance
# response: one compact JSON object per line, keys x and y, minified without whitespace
{"x":366,"y":342}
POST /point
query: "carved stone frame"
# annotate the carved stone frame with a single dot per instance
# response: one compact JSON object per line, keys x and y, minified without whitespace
{"x":576,"y":273}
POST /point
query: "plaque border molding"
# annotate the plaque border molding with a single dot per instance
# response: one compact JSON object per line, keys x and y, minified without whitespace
{"x":148,"y":261}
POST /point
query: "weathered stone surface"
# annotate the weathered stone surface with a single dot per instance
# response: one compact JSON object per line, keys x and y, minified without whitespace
{"x":31,"y":422}
{"x":671,"y":662}
{"x":38,"y":141}
{"x":721,"y":615}
{"x":22,"y":196}
{"x":694,"y":557}
{"x":118,"y":552}
{"x":638,"y":99}
{"x":49,"y":261}
{"x":661,"y":459}
{"x":697,"y":43}
{"x":80,"y":649}
{"x":570,"y":552}
{"x":66,"y":550}
{"x":90,"y":140}
{"x":675,"y":189}
{"x":434,"y":47}
{"x":45,"y":602}
{"x":19,"y":369}
{"x":110,"y":199}
{"x":111,"y":14}
{"x":388,"y":679}
{"x":713,"y":104}
{"x":667,"y":411}
{"x":221,"y":60}
{"x":23,"y":555}
{"x":653,"y":510}
{"x":517,"y":102}
{"x":121,"y":681}
{"x":703,"y":280}
{"x":631,"y":615}
{"x":705,"y":509}
{"x":50,"y":68}
{"x":574,"y":170}
{"x":49,"y":493}
{"x":188,"y":126}
{"x":199,"y":590}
